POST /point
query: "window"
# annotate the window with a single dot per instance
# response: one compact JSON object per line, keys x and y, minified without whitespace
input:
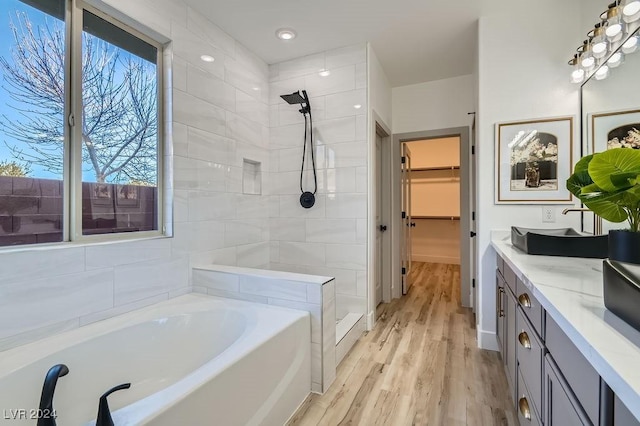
{"x":80,"y":125}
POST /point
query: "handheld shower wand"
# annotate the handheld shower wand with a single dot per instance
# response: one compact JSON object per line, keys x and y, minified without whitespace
{"x":307,"y":199}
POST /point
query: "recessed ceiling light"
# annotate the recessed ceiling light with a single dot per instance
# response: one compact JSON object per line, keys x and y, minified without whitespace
{"x":207,"y":58}
{"x":324,"y":73}
{"x":256,"y":88}
{"x":285,"y":34}
{"x":357,"y":106}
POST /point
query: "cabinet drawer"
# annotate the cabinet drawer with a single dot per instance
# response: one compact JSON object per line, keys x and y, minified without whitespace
{"x":500,"y":264}
{"x":561,"y":407}
{"x":526,"y":413}
{"x":583,"y":380}
{"x":529,"y":352}
{"x":509,"y":277}
{"x":622,"y":416}
{"x":531,"y":307}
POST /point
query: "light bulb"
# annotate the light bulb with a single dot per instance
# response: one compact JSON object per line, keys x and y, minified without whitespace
{"x":285,"y":34}
{"x":324,"y":73}
{"x":614,"y":30}
{"x":631,"y":10}
{"x":602,"y":73}
{"x":577,"y":76}
{"x":615,"y":60}
{"x":600,"y":49}
{"x":614,"y":24}
{"x":588,"y":61}
{"x":630,"y":45}
{"x":599,"y":45}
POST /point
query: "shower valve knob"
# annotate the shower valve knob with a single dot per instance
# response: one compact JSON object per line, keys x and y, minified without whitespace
{"x":383,"y":228}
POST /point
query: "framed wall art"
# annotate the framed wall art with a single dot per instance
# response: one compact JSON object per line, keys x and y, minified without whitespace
{"x":534,"y":160}
{"x":615,"y":129}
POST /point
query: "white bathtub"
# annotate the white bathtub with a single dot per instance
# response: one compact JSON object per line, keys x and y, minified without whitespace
{"x":193,"y":360}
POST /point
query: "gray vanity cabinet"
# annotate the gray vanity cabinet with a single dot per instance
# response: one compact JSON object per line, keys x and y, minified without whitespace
{"x":561,"y":407}
{"x":506,"y":321}
{"x":550,"y":381}
{"x":622,"y":416}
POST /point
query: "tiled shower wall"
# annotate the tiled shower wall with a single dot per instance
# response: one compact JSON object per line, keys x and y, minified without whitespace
{"x":220,"y":117}
{"x":330,"y":238}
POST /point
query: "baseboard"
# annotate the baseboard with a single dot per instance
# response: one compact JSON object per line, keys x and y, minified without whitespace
{"x":353,"y":335}
{"x":487,"y":340}
{"x":370,"y":320}
{"x":436,"y":259}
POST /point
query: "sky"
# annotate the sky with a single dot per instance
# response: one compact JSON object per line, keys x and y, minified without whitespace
{"x":8,"y":10}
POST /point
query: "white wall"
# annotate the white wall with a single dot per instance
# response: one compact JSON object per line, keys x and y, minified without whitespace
{"x":330,"y":238}
{"x":218,"y":119}
{"x":380,"y":91}
{"x":522,"y":75}
{"x":440,"y":104}
{"x":379,"y":114}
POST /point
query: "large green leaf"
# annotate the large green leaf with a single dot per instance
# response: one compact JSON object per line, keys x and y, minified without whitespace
{"x":623,"y":180}
{"x":607,"y":210}
{"x":583,"y":164}
{"x":613,"y":162}
{"x":577,"y":181}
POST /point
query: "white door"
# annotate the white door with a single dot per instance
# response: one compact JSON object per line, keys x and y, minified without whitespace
{"x":380,"y":226}
{"x":406,"y":217}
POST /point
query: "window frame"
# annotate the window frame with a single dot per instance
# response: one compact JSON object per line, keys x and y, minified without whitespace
{"x":72,"y":197}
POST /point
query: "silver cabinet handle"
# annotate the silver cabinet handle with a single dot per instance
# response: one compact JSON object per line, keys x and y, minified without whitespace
{"x":523,"y":405}
{"x":524,"y":340}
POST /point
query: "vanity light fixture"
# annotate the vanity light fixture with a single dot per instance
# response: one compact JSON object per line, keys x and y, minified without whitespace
{"x":285,"y":34}
{"x":207,"y":58}
{"x":605,"y":47}
{"x":615,"y":24}
{"x":577,"y":75}
{"x":599,"y":44}
{"x":587,"y":60}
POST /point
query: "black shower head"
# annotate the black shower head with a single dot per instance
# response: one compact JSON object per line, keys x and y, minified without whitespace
{"x":298,"y":98}
{"x":294,"y":98}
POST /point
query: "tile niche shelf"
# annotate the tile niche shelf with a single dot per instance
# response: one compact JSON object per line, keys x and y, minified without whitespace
{"x":251,"y":177}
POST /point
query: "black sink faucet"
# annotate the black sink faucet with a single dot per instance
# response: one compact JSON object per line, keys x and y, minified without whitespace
{"x":46,"y":414}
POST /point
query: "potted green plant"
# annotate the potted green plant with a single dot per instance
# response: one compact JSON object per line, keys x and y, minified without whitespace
{"x":608,"y":183}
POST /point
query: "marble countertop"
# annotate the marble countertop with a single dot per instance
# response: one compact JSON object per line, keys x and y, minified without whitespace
{"x":570,"y":289}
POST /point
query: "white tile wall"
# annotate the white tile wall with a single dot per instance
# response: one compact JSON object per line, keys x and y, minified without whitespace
{"x":219,"y":115}
{"x":330,"y":238}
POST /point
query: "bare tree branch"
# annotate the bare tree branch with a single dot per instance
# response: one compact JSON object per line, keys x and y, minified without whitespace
{"x":119,"y":110}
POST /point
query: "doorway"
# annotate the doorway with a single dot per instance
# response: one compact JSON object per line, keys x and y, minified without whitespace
{"x":379,"y":287}
{"x":434,"y":214}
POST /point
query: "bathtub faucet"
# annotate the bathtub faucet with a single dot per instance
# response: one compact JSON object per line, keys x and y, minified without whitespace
{"x":46,"y":415}
{"x":104,"y":414}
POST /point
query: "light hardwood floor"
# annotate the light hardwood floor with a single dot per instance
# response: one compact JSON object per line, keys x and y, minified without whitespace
{"x":420,"y":365}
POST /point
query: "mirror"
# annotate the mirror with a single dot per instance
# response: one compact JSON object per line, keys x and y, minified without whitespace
{"x":611,"y":110}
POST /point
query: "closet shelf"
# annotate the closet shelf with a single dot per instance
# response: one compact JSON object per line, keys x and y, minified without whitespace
{"x":437,"y":217}
{"x":429,"y":169}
